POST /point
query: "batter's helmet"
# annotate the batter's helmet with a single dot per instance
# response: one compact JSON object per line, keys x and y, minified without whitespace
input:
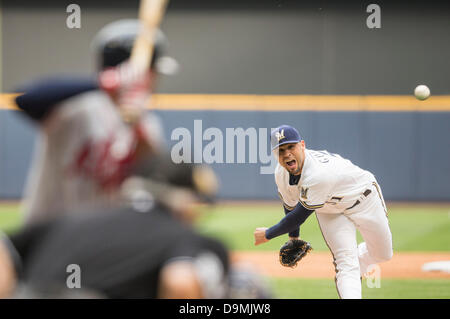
{"x":114,"y":42}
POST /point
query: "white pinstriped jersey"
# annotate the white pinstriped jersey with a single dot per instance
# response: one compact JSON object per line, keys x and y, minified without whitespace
{"x":83,"y":141}
{"x":328,"y":183}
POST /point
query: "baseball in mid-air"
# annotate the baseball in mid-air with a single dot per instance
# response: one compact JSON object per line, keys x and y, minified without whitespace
{"x":422,"y":92}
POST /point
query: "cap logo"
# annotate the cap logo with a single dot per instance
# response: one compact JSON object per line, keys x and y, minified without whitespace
{"x":280,"y":135}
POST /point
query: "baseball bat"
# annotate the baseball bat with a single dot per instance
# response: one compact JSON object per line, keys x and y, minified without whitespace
{"x":135,"y":71}
{"x":151,"y":13}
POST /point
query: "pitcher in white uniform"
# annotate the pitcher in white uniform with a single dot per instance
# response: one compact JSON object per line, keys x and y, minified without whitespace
{"x":344,"y":197}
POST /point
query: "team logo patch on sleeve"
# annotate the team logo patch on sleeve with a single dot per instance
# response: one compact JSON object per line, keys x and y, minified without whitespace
{"x":304,"y":193}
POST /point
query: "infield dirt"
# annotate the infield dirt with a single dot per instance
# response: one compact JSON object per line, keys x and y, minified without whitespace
{"x":320,"y":265}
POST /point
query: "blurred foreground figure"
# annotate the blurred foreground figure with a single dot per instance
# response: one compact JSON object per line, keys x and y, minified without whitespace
{"x":107,"y":211}
{"x":145,"y":248}
{"x":86,"y":147}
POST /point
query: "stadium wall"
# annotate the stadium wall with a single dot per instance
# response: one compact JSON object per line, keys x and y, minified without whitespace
{"x":407,"y":150}
{"x":264,"y":47}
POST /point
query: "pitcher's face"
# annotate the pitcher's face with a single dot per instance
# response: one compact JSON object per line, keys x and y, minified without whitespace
{"x":291,"y":156}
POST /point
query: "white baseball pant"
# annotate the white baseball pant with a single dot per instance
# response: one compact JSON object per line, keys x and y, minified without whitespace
{"x":351,"y":260}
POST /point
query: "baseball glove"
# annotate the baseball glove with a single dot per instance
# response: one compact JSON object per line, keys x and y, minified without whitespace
{"x":293,"y":251}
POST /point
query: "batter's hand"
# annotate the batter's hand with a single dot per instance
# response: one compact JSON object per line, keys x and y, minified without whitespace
{"x":260,"y":236}
{"x":130,"y":87}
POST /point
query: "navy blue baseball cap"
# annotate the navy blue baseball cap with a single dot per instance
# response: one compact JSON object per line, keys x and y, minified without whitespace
{"x":284,"y":134}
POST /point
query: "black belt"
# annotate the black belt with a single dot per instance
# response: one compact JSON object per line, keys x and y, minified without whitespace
{"x":366,"y":193}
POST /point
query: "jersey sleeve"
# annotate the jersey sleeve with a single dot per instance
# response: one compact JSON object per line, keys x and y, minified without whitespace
{"x":288,"y":208}
{"x":289,"y":201}
{"x":315,"y":192}
{"x":285,"y":205}
{"x":40,"y":97}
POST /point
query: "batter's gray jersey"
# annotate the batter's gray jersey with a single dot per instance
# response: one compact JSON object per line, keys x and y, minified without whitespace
{"x":81,"y":142}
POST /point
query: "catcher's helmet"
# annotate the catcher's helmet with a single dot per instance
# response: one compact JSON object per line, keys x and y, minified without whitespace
{"x":114,"y":42}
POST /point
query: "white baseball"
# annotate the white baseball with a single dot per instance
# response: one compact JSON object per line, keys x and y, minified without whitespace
{"x":422,"y":92}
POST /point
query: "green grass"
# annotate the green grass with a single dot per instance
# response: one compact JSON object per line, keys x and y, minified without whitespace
{"x":10,"y":218}
{"x":413,"y":228}
{"x":294,"y":288}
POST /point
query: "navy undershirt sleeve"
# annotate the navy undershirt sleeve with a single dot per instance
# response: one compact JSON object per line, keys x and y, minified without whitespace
{"x":296,"y":232}
{"x":290,"y":222}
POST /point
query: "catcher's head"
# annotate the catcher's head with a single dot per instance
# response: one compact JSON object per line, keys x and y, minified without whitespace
{"x":114,"y":42}
{"x":180,"y":187}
